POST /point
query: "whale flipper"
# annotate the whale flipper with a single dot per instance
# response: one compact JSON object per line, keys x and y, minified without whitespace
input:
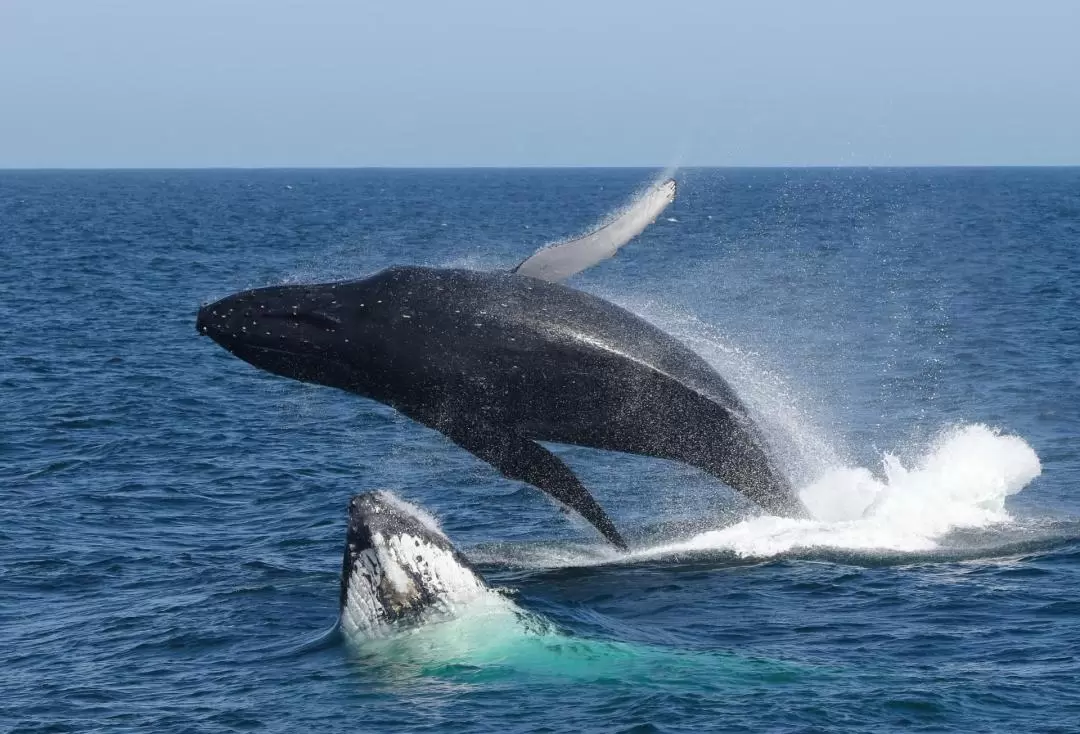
{"x":527,"y":461}
{"x":558,"y":262}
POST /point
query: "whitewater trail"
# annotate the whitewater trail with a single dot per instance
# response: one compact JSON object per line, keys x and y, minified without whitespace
{"x":961,"y":482}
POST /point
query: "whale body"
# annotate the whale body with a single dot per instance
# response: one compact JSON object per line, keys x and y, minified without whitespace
{"x":500,"y":361}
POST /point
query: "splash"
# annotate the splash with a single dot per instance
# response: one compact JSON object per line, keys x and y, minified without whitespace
{"x":802,"y":449}
{"x":961,"y":482}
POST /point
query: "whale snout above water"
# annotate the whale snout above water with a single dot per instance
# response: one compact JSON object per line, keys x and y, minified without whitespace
{"x":398,"y":568}
{"x":274,"y":317}
{"x":297,"y":331}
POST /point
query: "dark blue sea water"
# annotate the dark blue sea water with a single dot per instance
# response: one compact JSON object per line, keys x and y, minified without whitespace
{"x":171,"y":519}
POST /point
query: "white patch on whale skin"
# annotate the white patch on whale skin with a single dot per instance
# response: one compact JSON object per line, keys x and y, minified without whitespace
{"x":404,"y":578}
{"x":362,"y":613}
{"x":558,"y":262}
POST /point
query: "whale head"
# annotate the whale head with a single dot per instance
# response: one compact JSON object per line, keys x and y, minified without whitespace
{"x":312,"y":333}
{"x":398,"y":569}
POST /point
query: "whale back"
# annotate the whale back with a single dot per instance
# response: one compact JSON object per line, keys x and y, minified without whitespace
{"x":502,"y":315}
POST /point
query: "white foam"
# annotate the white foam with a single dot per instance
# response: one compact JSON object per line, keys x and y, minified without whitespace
{"x":961,"y":482}
{"x":419,"y":513}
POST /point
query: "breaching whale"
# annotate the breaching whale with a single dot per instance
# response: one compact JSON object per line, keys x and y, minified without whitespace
{"x":499,"y":361}
{"x":398,"y":569}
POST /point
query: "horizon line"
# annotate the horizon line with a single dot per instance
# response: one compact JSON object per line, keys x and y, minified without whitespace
{"x":465,"y":167}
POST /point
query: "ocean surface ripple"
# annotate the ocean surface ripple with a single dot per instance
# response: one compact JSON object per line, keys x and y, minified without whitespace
{"x":173,"y":519}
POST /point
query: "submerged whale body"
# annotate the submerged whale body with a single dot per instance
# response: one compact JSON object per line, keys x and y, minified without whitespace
{"x":499,"y":361}
{"x":398,"y":569}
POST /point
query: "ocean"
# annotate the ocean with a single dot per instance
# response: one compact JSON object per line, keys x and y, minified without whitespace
{"x":172,"y":519}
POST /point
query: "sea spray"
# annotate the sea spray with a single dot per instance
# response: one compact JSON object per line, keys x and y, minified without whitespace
{"x":961,"y":482}
{"x":801,"y":448}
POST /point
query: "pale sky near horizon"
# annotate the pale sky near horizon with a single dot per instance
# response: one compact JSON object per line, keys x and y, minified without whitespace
{"x":194,"y":83}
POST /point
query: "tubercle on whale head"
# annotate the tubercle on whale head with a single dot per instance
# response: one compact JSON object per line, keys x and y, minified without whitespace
{"x":312,"y":333}
{"x":381,"y":513}
{"x":397,"y":567}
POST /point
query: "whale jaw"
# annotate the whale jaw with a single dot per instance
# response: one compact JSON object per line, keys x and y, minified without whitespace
{"x":398,"y":569}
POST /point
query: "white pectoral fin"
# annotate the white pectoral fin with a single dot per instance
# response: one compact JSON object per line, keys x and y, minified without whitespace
{"x":559,"y":262}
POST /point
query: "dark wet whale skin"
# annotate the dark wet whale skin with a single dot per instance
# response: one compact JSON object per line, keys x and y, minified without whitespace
{"x":497,"y":361}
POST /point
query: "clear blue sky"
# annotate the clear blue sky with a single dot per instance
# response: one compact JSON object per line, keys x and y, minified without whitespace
{"x":190,"y":83}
